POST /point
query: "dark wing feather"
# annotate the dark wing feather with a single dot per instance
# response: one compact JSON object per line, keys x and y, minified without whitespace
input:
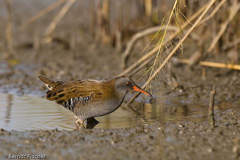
{"x":76,"y":89}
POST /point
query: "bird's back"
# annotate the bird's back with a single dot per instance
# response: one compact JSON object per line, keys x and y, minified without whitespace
{"x":63,"y":91}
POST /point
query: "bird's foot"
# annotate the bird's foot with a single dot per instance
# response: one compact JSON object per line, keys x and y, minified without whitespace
{"x":79,"y":123}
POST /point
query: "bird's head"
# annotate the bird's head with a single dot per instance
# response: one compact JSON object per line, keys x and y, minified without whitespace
{"x":126,"y":84}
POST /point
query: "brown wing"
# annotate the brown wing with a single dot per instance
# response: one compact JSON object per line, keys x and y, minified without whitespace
{"x":88,"y":91}
{"x":62,"y":92}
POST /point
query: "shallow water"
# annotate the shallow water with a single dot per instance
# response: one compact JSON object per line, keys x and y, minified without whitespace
{"x":31,"y":113}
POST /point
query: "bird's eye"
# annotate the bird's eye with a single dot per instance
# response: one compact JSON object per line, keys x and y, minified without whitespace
{"x":128,"y":83}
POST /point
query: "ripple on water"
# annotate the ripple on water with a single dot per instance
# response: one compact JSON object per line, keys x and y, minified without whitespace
{"x":33,"y":113}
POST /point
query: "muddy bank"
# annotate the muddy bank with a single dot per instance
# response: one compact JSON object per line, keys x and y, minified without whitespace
{"x":19,"y":73}
{"x":185,"y":140}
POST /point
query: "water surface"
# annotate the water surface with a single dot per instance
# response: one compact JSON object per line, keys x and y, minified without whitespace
{"x":32,"y":113}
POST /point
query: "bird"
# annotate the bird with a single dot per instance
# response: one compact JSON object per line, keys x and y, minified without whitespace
{"x":88,"y":99}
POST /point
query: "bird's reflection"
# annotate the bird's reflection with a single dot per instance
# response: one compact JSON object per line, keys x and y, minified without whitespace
{"x":91,"y":123}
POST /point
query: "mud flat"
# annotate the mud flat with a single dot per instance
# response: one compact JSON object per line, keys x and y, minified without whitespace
{"x":185,"y":140}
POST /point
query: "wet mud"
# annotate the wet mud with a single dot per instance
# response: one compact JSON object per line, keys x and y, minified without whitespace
{"x":185,"y":140}
{"x":181,"y":97}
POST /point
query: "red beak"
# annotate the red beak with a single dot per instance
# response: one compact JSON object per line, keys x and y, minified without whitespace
{"x":138,"y":89}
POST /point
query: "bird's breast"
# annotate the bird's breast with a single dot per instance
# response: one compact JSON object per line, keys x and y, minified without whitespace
{"x":107,"y":106}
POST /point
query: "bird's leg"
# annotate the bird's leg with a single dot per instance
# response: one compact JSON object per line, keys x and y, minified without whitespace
{"x":78,"y":122}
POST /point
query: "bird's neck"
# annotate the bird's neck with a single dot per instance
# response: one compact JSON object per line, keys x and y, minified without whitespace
{"x":111,"y":91}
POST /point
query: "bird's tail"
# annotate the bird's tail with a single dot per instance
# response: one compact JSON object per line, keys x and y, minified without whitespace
{"x":50,"y":85}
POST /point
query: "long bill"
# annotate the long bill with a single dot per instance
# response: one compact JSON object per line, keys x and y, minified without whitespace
{"x":138,"y":89}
